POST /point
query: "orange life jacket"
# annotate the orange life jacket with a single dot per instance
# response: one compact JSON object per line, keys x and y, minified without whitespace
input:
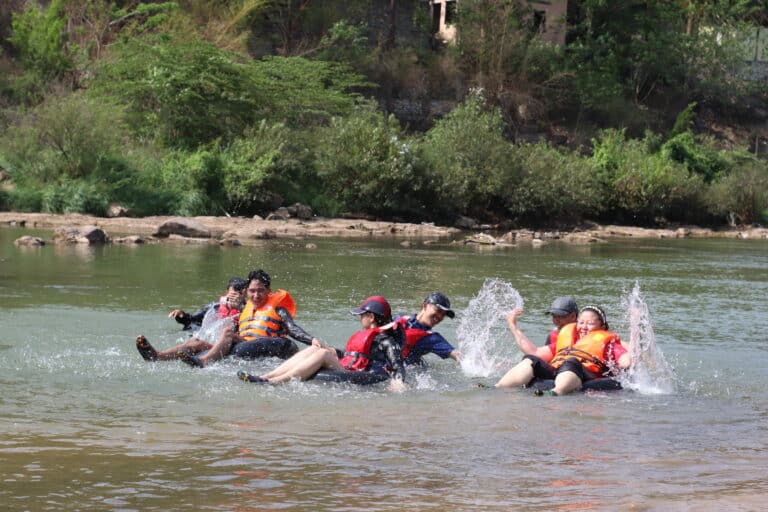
{"x":589,"y":350}
{"x":357,"y":353}
{"x":264,"y":322}
{"x":412,"y":335}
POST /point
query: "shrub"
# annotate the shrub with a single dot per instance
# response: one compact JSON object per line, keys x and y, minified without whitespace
{"x":193,"y":93}
{"x":37,"y":36}
{"x":555,"y":186}
{"x":643,"y":185}
{"x":471,"y":161}
{"x":742,"y":196}
{"x":699,"y":158}
{"x":368,"y":164}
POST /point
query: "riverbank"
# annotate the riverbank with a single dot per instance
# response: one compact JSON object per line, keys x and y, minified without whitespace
{"x":242,"y":231}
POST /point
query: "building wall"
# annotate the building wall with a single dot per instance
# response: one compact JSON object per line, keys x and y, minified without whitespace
{"x":552,"y":13}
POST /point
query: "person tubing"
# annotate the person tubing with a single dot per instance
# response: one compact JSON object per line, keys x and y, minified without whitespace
{"x":412,"y":336}
{"x":264,"y":322}
{"x":357,"y":353}
{"x":588,"y":350}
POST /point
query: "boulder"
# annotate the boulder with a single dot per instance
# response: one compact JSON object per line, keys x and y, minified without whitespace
{"x":115,"y":210}
{"x":90,"y":235}
{"x":183,"y":227}
{"x":281,"y":213}
{"x":303,"y":212}
{"x":311,"y":246}
{"x":29,"y":241}
{"x":465,"y":223}
{"x":132,"y":239}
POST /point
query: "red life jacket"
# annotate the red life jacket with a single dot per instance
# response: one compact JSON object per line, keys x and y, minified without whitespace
{"x":412,"y":335}
{"x":552,"y":338}
{"x":224,"y":311}
{"x":357,"y":353}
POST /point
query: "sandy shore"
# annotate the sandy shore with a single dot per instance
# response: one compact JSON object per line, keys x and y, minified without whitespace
{"x":241,"y":230}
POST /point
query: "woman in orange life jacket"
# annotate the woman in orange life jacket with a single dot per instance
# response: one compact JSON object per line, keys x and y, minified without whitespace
{"x":585,"y":350}
{"x":263,"y":328}
{"x":564,"y":311}
{"x":375,"y":348}
{"x":228,"y":305}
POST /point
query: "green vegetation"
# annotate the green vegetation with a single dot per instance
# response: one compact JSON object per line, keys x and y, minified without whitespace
{"x":203,"y":107}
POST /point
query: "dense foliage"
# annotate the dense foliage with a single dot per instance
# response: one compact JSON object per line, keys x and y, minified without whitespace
{"x":236,"y":107}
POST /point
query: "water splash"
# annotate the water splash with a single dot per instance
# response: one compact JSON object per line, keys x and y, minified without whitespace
{"x":482,"y":343}
{"x":212,"y":326}
{"x":650,"y":373}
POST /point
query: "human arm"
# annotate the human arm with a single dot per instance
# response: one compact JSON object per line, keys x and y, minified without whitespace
{"x":526,"y":346}
{"x":296,"y":332}
{"x":390,"y":346}
{"x":187,"y":319}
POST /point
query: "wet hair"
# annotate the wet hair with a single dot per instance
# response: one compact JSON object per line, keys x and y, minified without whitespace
{"x":261,"y":276}
{"x":599,"y":312}
{"x":237,"y":283}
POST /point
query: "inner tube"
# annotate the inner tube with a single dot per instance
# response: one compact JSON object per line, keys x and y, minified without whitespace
{"x":359,"y":378}
{"x":599,"y":384}
{"x":264,"y":347}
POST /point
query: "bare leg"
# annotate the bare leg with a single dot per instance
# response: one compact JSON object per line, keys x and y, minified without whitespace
{"x":520,"y":375}
{"x":193,"y":346}
{"x":219,"y":349}
{"x":291,"y":363}
{"x":565,"y":382}
{"x":306,"y":367}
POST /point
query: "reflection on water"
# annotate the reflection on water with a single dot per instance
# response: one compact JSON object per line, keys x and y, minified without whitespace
{"x":86,"y":424}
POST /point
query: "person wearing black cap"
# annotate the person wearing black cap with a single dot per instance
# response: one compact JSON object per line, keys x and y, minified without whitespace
{"x":563,"y":311}
{"x":229,"y":305}
{"x":420,"y":340}
{"x":585,"y":350}
{"x":374,"y":348}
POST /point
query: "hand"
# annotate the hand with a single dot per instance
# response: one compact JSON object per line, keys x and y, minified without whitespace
{"x":397,"y":385}
{"x":176,"y":313}
{"x":512,"y":316}
{"x":317,"y":343}
{"x":233,"y":299}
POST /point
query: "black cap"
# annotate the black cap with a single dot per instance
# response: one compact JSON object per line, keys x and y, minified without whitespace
{"x":562,"y":306}
{"x":441,"y":301}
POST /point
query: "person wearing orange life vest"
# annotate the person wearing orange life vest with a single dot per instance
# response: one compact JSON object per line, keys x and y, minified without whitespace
{"x":564,"y":311}
{"x":229,"y":305}
{"x":374,"y":348}
{"x":584,"y":350}
{"x":265,"y":328}
{"x":420,"y":339}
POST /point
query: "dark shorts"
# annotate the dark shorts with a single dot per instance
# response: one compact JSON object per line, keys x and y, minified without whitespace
{"x":264,"y":347}
{"x":543,"y":370}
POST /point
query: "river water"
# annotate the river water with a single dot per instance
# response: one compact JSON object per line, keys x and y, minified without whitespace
{"x":86,"y":424}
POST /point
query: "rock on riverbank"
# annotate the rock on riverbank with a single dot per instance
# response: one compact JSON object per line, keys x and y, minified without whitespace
{"x":233,"y":231}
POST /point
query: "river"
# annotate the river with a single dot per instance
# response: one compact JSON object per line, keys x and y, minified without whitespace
{"x":86,"y":424}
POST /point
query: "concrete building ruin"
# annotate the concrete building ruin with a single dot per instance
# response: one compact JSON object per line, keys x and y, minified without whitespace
{"x":549,"y":19}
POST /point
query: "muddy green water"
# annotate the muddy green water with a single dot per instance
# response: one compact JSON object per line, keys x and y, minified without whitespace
{"x":85,"y":424}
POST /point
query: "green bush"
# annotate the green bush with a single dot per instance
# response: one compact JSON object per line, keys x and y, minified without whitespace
{"x":66,"y":137}
{"x":742,"y":196}
{"x":555,"y":186}
{"x":473,"y":165}
{"x":699,"y":158}
{"x":193,"y":93}
{"x":641,"y":186}
{"x":368,"y":164}
{"x":22,"y":199}
{"x":37,"y":36}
